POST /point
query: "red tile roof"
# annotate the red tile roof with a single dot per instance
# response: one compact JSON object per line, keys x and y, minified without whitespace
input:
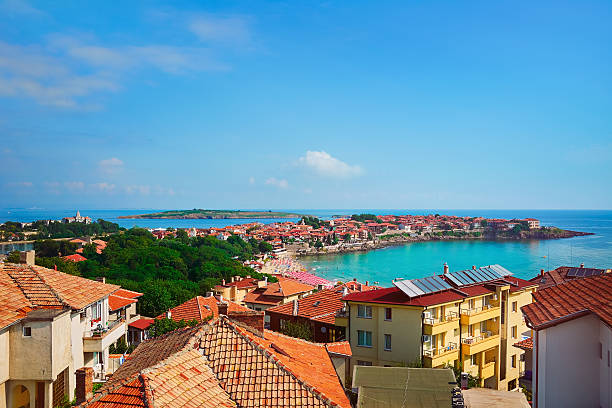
{"x":395,"y":296}
{"x":559,"y":275}
{"x":339,"y":347}
{"x":200,"y":308}
{"x":117,"y":302}
{"x":224,"y":364}
{"x":24,"y":288}
{"x":526,"y":344}
{"x":142,"y":323}
{"x":74,"y":258}
{"x":321,"y":306}
{"x":127,"y":293}
{"x":569,"y":300}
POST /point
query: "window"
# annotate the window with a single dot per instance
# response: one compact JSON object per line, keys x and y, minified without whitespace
{"x":513,"y":358}
{"x":364,"y":311}
{"x":364,"y":363}
{"x":514,"y":307}
{"x":522,"y":357}
{"x":513,"y":330}
{"x":364,"y":338}
{"x":473,"y":359}
{"x":388,"y":313}
{"x":388,"y":342}
{"x":27,"y":331}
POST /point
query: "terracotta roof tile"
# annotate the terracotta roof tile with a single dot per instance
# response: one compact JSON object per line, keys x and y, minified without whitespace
{"x":526,"y":344}
{"x":127,"y":293}
{"x":74,"y":258}
{"x":142,"y":323}
{"x":117,"y":302}
{"x":321,"y":306}
{"x":560,"y":275}
{"x":339,"y":347}
{"x":200,"y":308}
{"x":571,"y":299}
{"x":244,"y":369}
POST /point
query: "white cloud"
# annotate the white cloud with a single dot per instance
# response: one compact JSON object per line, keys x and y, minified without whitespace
{"x":111,"y":166}
{"x":65,"y":69}
{"x":14,"y":7}
{"x":209,"y":28}
{"x":74,"y":185}
{"x":26,"y":184}
{"x":280,"y":183}
{"x":104,"y":187}
{"x":138,"y":189}
{"x":326,"y":165}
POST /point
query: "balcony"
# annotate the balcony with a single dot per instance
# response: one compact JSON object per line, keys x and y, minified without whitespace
{"x":479,"y":314}
{"x":487,"y":370}
{"x":440,"y":356}
{"x":477,"y":344}
{"x":99,"y":338}
{"x":433,"y":326}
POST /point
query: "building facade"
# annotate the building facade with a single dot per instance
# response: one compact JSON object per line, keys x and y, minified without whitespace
{"x":51,"y":324}
{"x":572,"y":344}
{"x":437,"y":322}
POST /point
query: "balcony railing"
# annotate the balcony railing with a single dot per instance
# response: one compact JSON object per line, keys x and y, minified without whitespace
{"x":100,"y":330}
{"x":450,"y":317}
{"x":477,"y":339}
{"x":432,"y":353}
{"x":476,"y":310}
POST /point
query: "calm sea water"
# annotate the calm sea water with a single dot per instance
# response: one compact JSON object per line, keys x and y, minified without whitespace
{"x":523,"y":258}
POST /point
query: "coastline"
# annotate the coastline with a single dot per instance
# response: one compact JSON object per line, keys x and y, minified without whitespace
{"x":298,"y":250}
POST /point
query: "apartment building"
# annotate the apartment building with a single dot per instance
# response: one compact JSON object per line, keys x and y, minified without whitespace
{"x":572,"y":343}
{"x":51,"y":324}
{"x":238,"y":287}
{"x":468,"y":319}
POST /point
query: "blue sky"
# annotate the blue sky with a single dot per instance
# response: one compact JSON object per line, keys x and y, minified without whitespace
{"x":249,"y":104}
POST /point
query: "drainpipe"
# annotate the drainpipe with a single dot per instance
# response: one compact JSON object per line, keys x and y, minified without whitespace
{"x":534,"y":395}
{"x":422,"y":333}
{"x":460,"y":346}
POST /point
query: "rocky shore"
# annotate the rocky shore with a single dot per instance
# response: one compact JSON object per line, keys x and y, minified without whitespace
{"x":388,"y":240}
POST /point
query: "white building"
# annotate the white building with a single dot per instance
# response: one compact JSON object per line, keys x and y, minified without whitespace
{"x":51,"y":324}
{"x":572,"y":343}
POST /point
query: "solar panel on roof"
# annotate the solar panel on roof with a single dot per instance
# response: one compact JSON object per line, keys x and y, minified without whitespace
{"x":423,"y":286}
{"x":453,"y":279}
{"x":489,"y":273}
{"x":461,"y":278}
{"x":479,"y":274}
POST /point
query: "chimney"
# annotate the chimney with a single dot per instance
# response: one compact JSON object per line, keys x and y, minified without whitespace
{"x":223,"y":281}
{"x":233,"y":279}
{"x":367,"y":283}
{"x":27,"y":257}
{"x":209,"y":294}
{"x":582,"y":265}
{"x":445,"y":268}
{"x":252,"y":321}
{"x":222,"y":307}
{"x":101,"y":279}
{"x":295,"y":307}
{"x":541,"y":272}
{"x":265,"y":281}
{"x":169,"y":314}
{"x":474,"y":267}
{"x":84,"y":384}
{"x":344,"y":291}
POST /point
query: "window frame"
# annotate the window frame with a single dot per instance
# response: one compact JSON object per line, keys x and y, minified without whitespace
{"x":23,"y":331}
{"x":388,"y":314}
{"x":514,"y":332}
{"x":514,"y":307}
{"x":387,"y":336}
{"x":363,"y":335}
{"x":365,"y":309}
{"x":513,"y":360}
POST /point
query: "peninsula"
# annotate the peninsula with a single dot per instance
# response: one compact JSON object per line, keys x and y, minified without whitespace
{"x":198,"y":214}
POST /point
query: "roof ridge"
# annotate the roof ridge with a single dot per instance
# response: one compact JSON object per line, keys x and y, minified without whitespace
{"x":199,"y":307}
{"x":274,"y":360}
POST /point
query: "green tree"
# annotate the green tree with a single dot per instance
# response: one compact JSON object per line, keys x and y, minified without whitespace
{"x":298,"y":329}
{"x":318,"y":244}
{"x":163,"y":326}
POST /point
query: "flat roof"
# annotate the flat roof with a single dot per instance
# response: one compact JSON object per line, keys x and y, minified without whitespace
{"x":382,"y":387}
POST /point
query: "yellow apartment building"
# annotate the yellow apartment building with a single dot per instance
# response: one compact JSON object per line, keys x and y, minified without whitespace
{"x":468,"y":319}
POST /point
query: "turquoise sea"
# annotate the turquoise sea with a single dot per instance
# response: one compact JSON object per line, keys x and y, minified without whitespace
{"x":523,"y":258}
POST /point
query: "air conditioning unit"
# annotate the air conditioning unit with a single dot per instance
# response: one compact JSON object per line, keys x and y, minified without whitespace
{"x":426,"y":338}
{"x":427,"y":315}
